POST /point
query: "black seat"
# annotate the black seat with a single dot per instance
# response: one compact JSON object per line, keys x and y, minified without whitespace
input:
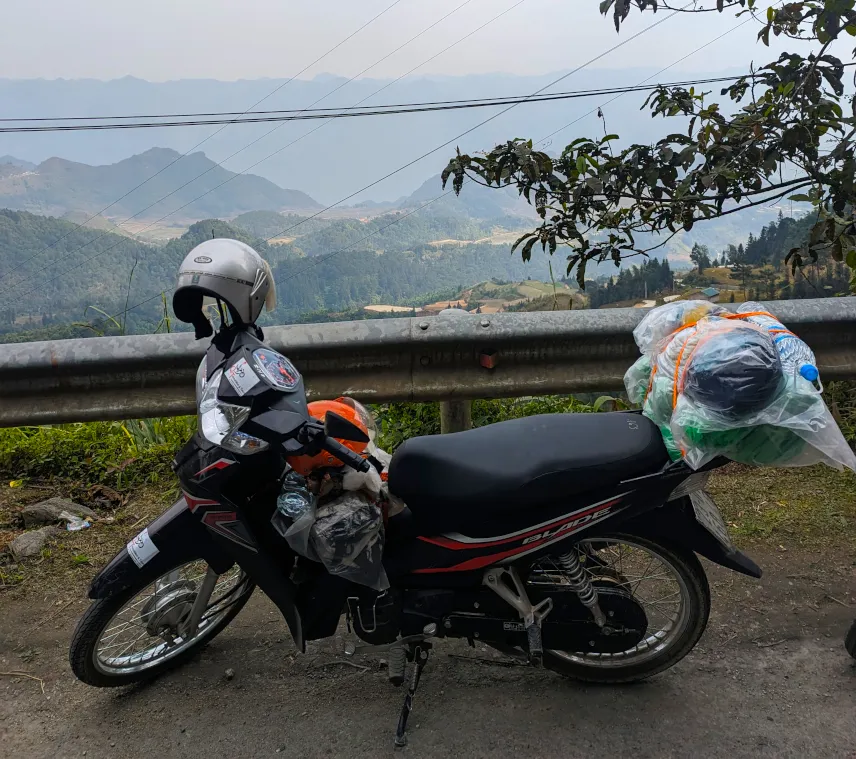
{"x":523,"y":462}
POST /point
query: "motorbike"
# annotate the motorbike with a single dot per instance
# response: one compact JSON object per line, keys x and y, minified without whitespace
{"x":567,"y":541}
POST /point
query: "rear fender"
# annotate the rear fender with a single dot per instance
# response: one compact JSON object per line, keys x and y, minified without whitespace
{"x":675,"y":522}
{"x":180,"y":537}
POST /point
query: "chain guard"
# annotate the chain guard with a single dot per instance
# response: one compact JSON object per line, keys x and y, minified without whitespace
{"x":571,"y":627}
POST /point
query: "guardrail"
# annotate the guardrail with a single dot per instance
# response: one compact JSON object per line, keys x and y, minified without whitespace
{"x":448,"y":357}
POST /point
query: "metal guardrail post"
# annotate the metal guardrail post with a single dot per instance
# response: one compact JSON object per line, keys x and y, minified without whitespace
{"x":456,"y":416}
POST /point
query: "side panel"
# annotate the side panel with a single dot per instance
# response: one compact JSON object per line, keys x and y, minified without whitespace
{"x":530,"y":532}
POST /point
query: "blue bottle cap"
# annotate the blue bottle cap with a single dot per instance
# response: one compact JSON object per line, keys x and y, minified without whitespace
{"x":809,"y":372}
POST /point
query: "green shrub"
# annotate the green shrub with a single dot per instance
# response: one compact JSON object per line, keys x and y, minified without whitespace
{"x":399,"y":421}
{"x":115,"y":453}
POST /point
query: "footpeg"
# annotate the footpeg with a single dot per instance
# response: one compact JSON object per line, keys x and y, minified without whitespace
{"x":515,"y":595}
{"x":536,"y":648}
{"x":429,"y":631}
{"x":396,"y":663}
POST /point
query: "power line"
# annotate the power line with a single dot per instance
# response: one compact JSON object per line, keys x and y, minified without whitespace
{"x":440,"y":147}
{"x":202,"y":142}
{"x":642,"y":85}
{"x":485,"y":121}
{"x":353,"y":111}
{"x":253,"y":142}
{"x":284,"y":147}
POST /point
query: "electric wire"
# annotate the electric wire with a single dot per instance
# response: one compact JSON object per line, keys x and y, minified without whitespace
{"x":202,"y":142}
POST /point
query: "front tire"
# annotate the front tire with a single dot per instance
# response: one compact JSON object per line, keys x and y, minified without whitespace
{"x":607,"y":560}
{"x":102,"y":655}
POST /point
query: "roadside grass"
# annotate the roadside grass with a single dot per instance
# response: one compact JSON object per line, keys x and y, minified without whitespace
{"x":811,"y":507}
{"x":69,"y":561}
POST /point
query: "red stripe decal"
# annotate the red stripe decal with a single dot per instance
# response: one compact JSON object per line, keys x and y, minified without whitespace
{"x":456,"y":545}
{"x":195,"y":503}
{"x":219,"y":464}
{"x":483,"y":561}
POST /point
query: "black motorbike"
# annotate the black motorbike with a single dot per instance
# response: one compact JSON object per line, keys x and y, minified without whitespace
{"x":568,"y":541}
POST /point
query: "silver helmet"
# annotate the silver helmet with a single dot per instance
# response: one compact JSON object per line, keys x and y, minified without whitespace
{"x":230,"y":271}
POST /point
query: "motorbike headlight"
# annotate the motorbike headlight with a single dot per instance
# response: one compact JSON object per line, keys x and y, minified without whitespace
{"x":220,"y":422}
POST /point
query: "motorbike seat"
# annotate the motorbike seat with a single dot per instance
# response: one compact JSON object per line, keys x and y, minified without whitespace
{"x":523,"y":462}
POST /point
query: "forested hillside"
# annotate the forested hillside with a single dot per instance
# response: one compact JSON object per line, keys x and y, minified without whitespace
{"x":265,"y":224}
{"x":647,"y":280}
{"x":51,"y":271}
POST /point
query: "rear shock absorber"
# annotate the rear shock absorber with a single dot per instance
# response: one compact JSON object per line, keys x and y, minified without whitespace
{"x":581,"y":584}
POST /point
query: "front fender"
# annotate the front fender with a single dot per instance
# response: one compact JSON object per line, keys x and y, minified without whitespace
{"x":179,"y":538}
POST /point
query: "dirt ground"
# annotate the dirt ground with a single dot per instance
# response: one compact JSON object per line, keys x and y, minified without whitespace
{"x":770,"y":678}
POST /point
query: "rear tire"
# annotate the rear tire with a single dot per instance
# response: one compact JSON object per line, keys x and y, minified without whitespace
{"x":84,"y":655}
{"x":695,"y":598}
{"x":850,"y":641}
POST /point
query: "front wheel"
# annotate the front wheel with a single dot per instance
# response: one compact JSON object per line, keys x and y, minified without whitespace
{"x":142,"y":632}
{"x":667,"y":582}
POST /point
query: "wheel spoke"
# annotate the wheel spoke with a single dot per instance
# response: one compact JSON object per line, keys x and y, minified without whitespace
{"x":126,"y":644}
{"x":639,"y":572}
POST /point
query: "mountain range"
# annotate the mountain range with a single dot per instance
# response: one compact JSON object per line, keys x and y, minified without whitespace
{"x":331,"y":160}
{"x":150,"y":185}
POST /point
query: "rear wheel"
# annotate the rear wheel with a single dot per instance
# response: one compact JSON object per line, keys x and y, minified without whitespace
{"x":141,"y":632}
{"x":669,"y":584}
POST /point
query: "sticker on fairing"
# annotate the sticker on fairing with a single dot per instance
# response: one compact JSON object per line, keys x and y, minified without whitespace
{"x":142,"y":549}
{"x":242,"y":377}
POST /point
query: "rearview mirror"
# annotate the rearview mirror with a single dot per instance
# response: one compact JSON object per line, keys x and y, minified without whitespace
{"x":337,"y":426}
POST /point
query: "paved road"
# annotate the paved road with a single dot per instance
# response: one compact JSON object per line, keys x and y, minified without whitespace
{"x":769,"y":679}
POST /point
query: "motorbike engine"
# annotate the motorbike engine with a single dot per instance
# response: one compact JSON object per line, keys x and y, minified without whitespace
{"x":376,"y":617}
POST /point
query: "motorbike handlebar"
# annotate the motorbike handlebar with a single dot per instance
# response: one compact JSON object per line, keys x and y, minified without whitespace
{"x":345,"y":454}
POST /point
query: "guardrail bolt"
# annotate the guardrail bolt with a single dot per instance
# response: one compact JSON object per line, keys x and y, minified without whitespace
{"x":423,"y":325}
{"x":485,"y":323}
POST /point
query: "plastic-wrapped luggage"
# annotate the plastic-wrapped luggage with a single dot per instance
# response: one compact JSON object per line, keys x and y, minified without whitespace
{"x":715,"y":384}
{"x":342,"y":529}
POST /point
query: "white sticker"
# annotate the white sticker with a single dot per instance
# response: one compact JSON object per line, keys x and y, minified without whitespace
{"x":242,"y":377}
{"x":141,"y":549}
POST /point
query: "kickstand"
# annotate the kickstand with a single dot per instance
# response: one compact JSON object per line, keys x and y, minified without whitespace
{"x":420,"y":658}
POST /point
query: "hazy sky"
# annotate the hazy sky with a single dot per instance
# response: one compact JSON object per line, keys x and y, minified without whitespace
{"x":237,"y":39}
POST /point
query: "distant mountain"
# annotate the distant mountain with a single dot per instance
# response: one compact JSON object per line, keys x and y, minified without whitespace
{"x":343,"y":155}
{"x":195,"y":185}
{"x":10,"y":160}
